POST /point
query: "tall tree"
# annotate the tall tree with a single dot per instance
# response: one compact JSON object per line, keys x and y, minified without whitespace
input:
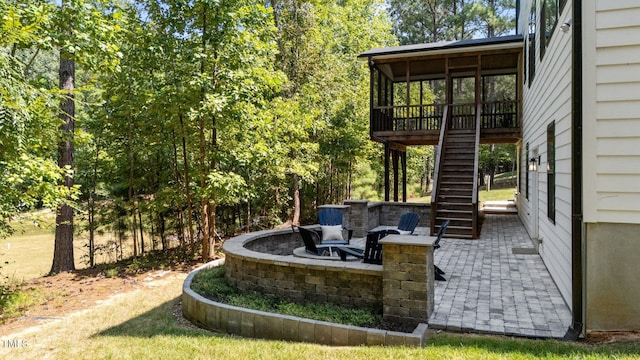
{"x":83,"y":30}
{"x":439,"y":20}
{"x":27,"y":122}
{"x":63,"y":259}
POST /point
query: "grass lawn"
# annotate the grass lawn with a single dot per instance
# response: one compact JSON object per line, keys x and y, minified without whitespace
{"x":142,"y":325}
{"x":28,"y":253}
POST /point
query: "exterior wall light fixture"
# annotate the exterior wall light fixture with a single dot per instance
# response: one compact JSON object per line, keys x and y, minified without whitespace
{"x":566,"y":25}
{"x":533,"y":164}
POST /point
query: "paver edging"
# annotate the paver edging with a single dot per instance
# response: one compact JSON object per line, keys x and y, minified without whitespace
{"x":235,"y":320}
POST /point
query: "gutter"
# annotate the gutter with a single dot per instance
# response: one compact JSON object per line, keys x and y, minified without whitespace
{"x":577,"y":269}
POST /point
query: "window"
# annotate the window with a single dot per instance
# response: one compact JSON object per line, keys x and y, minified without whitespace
{"x":532,"y":42}
{"x":526,"y":181}
{"x":548,"y":21}
{"x":551,"y":171}
{"x":524,"y":63}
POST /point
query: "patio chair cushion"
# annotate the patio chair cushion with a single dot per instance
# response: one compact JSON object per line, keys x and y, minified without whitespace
{"x":331,"y":232}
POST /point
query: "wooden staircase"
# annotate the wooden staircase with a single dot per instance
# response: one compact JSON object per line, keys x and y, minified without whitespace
{"x":455,"y":189}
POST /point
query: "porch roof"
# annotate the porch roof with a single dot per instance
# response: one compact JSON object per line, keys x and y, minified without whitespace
{"x":446,"y":47}
{"x":491,"y":56}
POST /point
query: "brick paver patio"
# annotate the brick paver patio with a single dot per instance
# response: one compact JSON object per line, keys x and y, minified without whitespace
{"x":491,"y":290}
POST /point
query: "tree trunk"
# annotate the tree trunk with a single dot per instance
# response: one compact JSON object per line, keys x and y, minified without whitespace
{"x":176,"y":172}
{"x":296,"y":199}
{"x":187,"y":188}
{"x":91,"y":204}
{"x":163,"y":235}
{"x":133,"y":203}
{"x":63,"y":259}
{"x":141,"y":230}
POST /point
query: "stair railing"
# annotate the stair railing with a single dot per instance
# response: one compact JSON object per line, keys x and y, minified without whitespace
{"x":474,"y":201}
{"x":436,"y":169}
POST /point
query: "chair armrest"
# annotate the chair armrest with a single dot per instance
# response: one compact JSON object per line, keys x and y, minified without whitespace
{"x":349,"y":233}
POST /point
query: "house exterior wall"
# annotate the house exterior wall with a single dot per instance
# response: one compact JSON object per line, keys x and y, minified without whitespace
{"x":612,"y":111}
{"x":547,"y":99}
{"x":611,"y":171}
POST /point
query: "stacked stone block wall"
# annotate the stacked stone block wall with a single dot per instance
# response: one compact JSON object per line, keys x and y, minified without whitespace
{"x":349,"y":283}
{"x":390,"y":213}
{"x":407,"y":279}
{"x":299,"y":281}
{"x":282,"y":243}
{"x":362,"y":216}
{"x":258,"y":324}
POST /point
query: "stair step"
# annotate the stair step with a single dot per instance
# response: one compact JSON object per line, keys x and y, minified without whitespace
{"x":471,"y":153}
{"x":458,"y":222}
{"x":462,"y":131}
{"x":457,"y":236}
{"x":452,"y":194}
{"x":454,"y":177}
{"x":460,"y":144}
{"x":458,"y":228}
{"x":457,"y":164}
{"x":460,"y":190}
{"x":453,"y":211}
{"x":455,"y":197}
{"x":458,"y":170}
{"x":460,"y":157}
{"x":454,"y":203}
{"x":441,"y":219}
{"x":449,"y":205}
{"x":456,"y":183}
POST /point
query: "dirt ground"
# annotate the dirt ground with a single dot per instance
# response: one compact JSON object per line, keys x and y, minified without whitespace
{"x":81,"y":290}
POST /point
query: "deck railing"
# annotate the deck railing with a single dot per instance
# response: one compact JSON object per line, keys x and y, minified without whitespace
{"x":407,"y":118}
{"x":494,"y":115}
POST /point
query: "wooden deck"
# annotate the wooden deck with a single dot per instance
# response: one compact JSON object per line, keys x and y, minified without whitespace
{"x":420,"y":124}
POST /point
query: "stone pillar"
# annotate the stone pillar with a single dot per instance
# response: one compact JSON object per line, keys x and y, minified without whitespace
{"x":408,"y":279}
{"x":358,"y":217}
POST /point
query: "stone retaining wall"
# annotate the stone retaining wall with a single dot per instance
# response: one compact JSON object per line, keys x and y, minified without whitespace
{"x":348,"y":283}
{"x":259,"y":324}
{"x":361,"y":215}
{"x":278,"y":243}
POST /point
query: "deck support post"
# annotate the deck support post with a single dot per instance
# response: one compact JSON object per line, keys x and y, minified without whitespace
{"x":386,"y":171}
{"x":403,"y":157}
{"x":396,"y":179}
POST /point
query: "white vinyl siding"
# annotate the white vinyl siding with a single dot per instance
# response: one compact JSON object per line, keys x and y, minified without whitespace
{"x":612,"y":112}
{"x":549,"y":99}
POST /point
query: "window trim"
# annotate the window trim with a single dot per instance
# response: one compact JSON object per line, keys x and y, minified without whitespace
{"x":551,"y":171}
{"x":526,"y":166}
{"x":532,"y":42}
{"x":546,"y":29}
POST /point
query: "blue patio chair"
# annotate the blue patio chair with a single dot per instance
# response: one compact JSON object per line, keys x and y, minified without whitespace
{"x":407,"y":224}
{"x":436,"y":245}
{"x":332,"y":228}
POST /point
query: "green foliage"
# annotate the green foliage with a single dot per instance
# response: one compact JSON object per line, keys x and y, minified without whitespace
{"x":437,"y":20}
{"x":493,"y":156}
{"x":211,"y":283}
{"x":14,"y":300}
